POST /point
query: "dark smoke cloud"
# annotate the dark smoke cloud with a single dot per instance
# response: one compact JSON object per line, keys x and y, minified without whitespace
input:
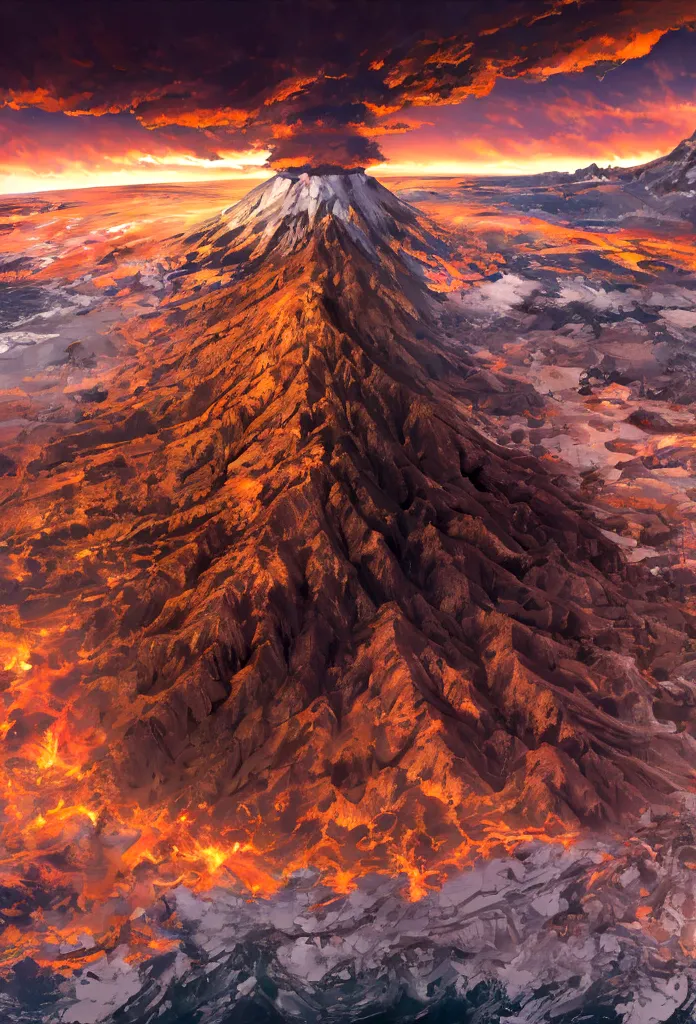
{"x":325,"y":152}
{"x":313,"y":80}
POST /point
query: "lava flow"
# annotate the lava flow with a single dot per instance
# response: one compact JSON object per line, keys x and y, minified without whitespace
{"x":273,"y":603}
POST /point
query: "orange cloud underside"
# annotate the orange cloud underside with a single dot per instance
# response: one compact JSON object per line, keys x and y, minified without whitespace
{"x":201,"y":118}
{"x":603,"y":48}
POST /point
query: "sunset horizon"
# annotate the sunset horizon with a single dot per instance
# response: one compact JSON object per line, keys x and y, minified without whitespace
{"x":614,"y":94}
{"x":20,"y":185}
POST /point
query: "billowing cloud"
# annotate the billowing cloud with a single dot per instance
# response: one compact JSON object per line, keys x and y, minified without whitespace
{"x":313,"y":82}
{"x":324,"y":151}
{"x":312,"y":68}
{"x":639,"y":111}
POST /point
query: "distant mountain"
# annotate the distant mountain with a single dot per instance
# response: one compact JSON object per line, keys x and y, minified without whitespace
{"x":673,"y":173}
{"x":593,"y":172}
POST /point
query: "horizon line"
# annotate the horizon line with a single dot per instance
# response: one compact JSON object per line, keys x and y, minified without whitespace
{"x":406,"y":169}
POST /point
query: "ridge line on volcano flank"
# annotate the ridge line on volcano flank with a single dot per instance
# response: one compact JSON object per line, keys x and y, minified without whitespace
{"x":343,"y":620}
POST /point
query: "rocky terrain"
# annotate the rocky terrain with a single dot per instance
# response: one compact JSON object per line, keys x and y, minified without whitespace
{"x":282,"y":601}
{"x":596,"y":931}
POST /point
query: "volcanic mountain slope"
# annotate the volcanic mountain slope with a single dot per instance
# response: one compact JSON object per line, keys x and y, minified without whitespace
{"x":292,"y":592}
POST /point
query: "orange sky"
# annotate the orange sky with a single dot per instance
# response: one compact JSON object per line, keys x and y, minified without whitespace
{"x":623,"y":95}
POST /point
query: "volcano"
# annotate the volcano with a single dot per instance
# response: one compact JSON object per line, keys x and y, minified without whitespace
{"x":286,"y":594}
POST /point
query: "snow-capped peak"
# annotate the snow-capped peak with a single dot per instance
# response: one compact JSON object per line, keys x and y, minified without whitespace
{"x":284,"y":214}
{"x":293,"y":205}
